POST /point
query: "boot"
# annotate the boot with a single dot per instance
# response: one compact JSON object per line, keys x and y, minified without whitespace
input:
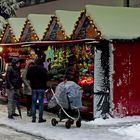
{"x":10,"y":117}
{"x":16,"y":115}
{"x":33,"y":120}
{"x":41,"y":120}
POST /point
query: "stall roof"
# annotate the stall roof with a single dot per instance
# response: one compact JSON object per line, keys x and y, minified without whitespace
{"x":67,"y":20}
{"x":2,"y":23}
{"x":115,"y":22}
{"x":2,"y":19}
{"x":17,"y":25}
{"x":40,"y":23}
{"x":45,"y":43}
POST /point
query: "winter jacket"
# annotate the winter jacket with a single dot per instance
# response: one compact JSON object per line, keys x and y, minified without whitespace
{"x":27,"y":87}
{"x":37,"y":75}
{"x":13,"y":75}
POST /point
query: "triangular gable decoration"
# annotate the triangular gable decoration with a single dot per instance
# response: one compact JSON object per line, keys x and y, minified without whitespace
{"x":51,"y":26}
{"x":53,"y":32}
{"x":79,"y":29}
{"x":67,"y":20}
{"x":92,"y":31}
{"x":16,"y":25}
{"x":60,"y":34}
{"x":40,"y":27}
{"x":28,"y":34}
{"x":7,"y":35}
{"x":85,"y":28}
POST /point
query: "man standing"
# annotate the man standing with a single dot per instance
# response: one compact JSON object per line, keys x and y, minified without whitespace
{"x":13,"y":85}
{"x":37,"y":75}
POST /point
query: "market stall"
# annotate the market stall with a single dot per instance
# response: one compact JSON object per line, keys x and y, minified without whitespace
{"x":92,"y":65}
{"x":12,"y":30}
{"x":11,"y":34}
{"x":116,"y":80}
{"x":76,"y":59}
{"x":10,"y":44}
{"x":36,"y":26}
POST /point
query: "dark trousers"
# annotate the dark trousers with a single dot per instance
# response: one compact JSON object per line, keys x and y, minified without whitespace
{"x":11,"y":100}
{"x":28,"y":102}
{"x":38,"y":94}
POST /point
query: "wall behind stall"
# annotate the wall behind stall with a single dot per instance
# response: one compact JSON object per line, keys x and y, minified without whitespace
{"x":51,"y":6}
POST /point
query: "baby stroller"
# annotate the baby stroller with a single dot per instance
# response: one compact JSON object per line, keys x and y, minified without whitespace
{"x":67,"y":97}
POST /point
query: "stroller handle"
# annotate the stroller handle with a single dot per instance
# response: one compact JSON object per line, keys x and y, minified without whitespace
{"x":62,"y":107}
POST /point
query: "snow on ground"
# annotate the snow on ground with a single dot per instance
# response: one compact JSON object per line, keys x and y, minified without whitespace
{"x":111,"y":129}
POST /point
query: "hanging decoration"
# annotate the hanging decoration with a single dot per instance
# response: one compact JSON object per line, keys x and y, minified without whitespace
{"x":7,"y":35}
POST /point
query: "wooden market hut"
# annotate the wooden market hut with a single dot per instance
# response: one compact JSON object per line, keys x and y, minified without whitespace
{"x":12,"y":30}
{"x":58,"y":40}
{"x":72,"y":25}
{"x":116,"y":65}
{"x":61,"y":25}
{"x":20,"y":32}
{"x":67,"y":20}
{"x":35,"y":27}
{"x":116,"y":70}
{"x":10,"y":38}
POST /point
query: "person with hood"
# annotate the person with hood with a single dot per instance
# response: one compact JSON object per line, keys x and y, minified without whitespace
{"x":37,"y":75}
{"x":13,"y":85}
{"x":27,"y":87}
{"x":72,"y":70}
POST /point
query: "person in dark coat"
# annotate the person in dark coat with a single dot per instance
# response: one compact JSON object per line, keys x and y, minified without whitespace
{"x":13,"y":85}
{"x":37,"y":75}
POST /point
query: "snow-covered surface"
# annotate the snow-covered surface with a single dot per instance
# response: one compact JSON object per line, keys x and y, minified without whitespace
{"x":98,"y":72}
{"x":17,"y":25}
{"x":111,"y":129}
{"x":115,"y":22}
{"x":2,"y":19}
{"x":2,"y":23}
{"x":40,"y":23}
{"x":67,"y":20}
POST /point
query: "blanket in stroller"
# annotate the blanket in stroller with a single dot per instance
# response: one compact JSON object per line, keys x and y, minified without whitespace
{"x":68,"y":95}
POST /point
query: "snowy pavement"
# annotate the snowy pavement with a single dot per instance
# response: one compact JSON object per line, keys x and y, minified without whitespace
{"x":111,"y":129}
{"x":7,"y":133}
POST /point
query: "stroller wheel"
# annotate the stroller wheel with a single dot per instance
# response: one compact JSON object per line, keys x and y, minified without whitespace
{"x":68,"y":124}
{"x":54,"y":122}
{"x":72,"y":122}
{"x":78,"y":123}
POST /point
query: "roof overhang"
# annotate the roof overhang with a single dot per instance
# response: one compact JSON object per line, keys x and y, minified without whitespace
{"x":46,"y":43}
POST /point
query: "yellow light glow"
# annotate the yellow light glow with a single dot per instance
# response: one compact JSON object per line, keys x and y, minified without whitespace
{"x":1,"y":49}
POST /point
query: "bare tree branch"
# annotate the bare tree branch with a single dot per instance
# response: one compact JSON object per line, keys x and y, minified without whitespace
{"x":8,"y":8}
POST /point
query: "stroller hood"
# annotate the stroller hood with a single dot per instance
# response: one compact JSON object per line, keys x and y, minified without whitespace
{"x":68,"y":95}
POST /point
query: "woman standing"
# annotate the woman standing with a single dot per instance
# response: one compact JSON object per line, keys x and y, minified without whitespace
{"x":27,"y":88}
